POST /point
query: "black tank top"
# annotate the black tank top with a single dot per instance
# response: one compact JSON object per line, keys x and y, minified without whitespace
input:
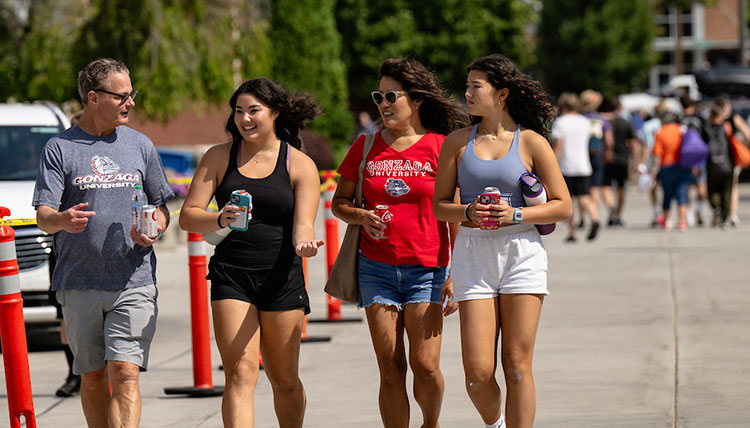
{"x":268,"y":238}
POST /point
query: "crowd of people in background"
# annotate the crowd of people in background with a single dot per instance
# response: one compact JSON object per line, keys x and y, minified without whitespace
{"x":603,"y":150}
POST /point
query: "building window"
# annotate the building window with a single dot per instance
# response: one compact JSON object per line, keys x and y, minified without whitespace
{"x":662,"y":30}
{"x":666,"y":22}
{"x":688,"y":57}
{"x":687,"y":26}
{"x":663,"y":78}
{"x":666,"y":58}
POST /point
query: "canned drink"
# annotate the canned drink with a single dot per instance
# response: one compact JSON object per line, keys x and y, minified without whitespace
{"x":148,"y":224}
{"x":490,"y":195}
{"x":384,"y":212}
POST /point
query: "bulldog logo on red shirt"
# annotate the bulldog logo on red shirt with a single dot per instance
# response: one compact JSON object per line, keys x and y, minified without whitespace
{"x":396,"y":187}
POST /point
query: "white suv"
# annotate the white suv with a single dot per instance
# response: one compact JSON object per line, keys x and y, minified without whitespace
{"x":24,"y":130}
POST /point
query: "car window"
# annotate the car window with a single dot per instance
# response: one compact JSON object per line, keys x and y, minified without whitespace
{"x":20,"y":147}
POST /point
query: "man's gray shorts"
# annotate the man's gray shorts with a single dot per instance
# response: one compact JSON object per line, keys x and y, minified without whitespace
{"x":106,"y":326}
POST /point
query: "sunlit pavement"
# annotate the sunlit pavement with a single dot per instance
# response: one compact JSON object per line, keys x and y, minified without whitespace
{"x":643,"y":328}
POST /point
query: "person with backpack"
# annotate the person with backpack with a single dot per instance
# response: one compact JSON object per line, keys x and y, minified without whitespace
{"x":737,"y":128}
{"x":617,"y":163}
{"x":691,"y":119}
{"x":601,"y":137}
{"x":650,"y":128}
{"x":719,"y":165}
{"x":674,"y":178}
{"x":570,"y":135}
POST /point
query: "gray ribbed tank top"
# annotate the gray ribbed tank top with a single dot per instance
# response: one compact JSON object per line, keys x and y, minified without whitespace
{"x":474,"y":174}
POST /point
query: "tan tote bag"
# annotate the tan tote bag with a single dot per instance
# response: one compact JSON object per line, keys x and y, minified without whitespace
{"x":342,"y":283}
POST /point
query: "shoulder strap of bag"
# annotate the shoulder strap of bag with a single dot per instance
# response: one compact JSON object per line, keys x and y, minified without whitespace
{"x":728,"y":129}
{"x":369,"y":141}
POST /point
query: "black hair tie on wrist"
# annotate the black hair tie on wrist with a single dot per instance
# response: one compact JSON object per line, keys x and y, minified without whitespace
{"x":466,"y":213}
{"x":218,"y":220}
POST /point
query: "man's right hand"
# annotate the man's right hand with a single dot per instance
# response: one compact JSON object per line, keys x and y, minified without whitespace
{"x":74,"y":219}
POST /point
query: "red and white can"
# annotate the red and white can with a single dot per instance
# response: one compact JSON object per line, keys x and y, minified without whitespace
{"x":148,"y":223}
{"x":384,"y":212}
{"x":490,"y":196}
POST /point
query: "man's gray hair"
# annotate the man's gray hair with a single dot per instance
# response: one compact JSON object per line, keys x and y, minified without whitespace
{"x":96,"y":75}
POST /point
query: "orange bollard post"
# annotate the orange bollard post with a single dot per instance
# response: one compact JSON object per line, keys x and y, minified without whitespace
{"x":332,"y":246}
{"x":332,"y":243}
{"x":202,"y":380}
{"x":13,"y":332}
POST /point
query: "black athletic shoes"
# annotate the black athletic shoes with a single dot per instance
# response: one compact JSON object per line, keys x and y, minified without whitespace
{"x":71,"y":387}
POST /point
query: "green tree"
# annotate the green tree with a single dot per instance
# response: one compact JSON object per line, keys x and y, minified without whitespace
{"x":178,"y":51}
{"x":454,"y":32}
{"x":174,"y":53}
{"x":307,"y":57}
{"x":445,"y":34}
{"x":11,"y":35}
{"x":600,"y":44}
{"x":35,"y":55}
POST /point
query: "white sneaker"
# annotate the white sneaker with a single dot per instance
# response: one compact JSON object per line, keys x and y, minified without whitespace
{"x":499,"y":424}
{"x":690,"y":218}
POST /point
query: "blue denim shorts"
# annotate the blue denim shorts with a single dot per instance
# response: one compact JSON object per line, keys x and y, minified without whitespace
{"x":398,"y":285}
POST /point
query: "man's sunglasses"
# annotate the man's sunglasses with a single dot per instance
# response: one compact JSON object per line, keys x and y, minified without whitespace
{"x":122,"y":97}
{"x":390,"y":96}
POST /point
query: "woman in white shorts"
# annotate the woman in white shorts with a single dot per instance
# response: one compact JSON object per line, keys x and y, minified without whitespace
{"x":499,"y":275}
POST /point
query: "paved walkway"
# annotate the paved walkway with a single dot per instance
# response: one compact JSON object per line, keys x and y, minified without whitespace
{"x":644,"y":328}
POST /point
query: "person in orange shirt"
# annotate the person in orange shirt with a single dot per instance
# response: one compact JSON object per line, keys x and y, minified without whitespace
{"x":674,"y":179}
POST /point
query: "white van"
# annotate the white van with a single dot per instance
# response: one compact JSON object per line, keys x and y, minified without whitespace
{"x":24,"y":130}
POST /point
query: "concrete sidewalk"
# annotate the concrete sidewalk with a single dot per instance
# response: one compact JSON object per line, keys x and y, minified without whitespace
{"x":643,"y":328}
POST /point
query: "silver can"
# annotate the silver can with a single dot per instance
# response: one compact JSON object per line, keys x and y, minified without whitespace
{"x":148,"y":224}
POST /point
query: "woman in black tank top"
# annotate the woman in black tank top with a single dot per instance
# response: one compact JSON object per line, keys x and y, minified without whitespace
{"x":257,"y":285}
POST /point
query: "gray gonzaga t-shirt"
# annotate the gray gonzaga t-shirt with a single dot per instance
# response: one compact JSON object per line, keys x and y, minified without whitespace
{"x":77,"y":167}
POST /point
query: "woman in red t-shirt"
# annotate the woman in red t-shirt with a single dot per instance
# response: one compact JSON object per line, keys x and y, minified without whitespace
{"x":402,"y":266}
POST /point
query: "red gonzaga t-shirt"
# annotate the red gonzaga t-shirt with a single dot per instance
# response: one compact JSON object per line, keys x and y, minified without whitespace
{"x":405,"y":181}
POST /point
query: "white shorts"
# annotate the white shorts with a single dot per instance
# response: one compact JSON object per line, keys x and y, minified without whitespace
{"x":509,"y":260}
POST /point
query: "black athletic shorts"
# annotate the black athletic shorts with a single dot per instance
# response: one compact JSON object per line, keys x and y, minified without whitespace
{"x":578,"y":186}
{"x":270,"y":288}
{"x":615,"y":172}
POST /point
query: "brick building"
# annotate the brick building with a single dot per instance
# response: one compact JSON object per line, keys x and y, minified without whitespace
{"x":710,"y":37}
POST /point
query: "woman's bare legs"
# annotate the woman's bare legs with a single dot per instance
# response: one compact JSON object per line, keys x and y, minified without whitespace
{"x":386,"y":325}
{"x":280,"y":343}
{"x":519,"y":315}
{"x":237,"y":331}
{"x":480,"y":325}
{"x":424,"y":327}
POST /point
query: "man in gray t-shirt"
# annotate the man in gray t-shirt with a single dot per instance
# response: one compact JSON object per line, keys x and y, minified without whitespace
{"x":105,"y":275}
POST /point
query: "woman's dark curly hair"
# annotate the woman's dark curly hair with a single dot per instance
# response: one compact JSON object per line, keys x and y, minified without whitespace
{"x":527,"y":101}
{"x":293,"y":110}
{"x":439,"y":112}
